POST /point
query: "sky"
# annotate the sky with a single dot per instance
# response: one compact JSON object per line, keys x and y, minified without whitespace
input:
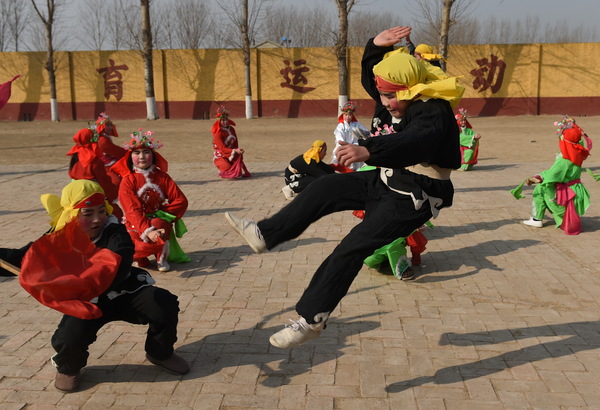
{"x":583,"y":12}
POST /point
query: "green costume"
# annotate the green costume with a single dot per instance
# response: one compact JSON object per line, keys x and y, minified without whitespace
{"x":544,"y":193}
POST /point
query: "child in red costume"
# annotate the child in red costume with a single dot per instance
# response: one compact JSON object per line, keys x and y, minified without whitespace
{"x":86,"y":164}
{"x":151,"y":200}
{"x":111,"y":152}
{"x":228,"y":157}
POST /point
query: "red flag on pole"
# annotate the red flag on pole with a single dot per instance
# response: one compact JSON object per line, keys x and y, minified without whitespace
{"x":5,"y":91}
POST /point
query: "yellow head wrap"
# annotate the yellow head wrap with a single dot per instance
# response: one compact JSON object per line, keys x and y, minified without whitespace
{"x":62,"y":210}
{"x":427,"y":53}
{"x":419,"y":77}
{"x":313,"y":152}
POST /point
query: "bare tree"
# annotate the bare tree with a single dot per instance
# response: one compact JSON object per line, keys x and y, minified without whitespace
{"x":151,"y":112}
{"x":194,"y":22}
{"x":93,"y":30}
{"x":13,"y":15}
{"x":367,"y":24}
{"x":48,"y":20}
{"x":341,"y":48}
{"x":249,"y":21}
{"x":435,"y":18}
{"x":4,"y":30}
{"x":444,"y":29}
{"x":301,"y":27}
{"x":246,"y":51}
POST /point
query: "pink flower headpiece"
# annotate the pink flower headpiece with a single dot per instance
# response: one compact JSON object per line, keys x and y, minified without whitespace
{"x":142,"y":139}
{"x":222,"y":112}
{"x":462,"y":113}
{"x":103,"y":118}
{"x":566,"y":123}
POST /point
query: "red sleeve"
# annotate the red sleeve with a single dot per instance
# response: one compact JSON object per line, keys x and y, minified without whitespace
{"x":99,"y":171}
{"x":177,"y":201}
{"x":219,"y":143}
{"x":131,"y":204}
{"x":108,"y":147}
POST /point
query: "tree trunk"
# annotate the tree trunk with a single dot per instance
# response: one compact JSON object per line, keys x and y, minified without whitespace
{"x":445,"y":28}
{"x":341,"y":50}
{"x":151,"y":111}
{"x":246,"y":51}
{"x":51,"y":75}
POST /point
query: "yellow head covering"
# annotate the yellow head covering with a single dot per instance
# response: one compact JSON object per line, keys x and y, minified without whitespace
{"x":427,"y":53}
{"x":313,"y":152}
{"x":420,"y":78}
{"x":62,"y":210}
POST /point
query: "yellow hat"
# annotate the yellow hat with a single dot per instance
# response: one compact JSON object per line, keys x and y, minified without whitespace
{"x":313,"y":152}
{"x":417,"y":78}
{"x":62,"y":210}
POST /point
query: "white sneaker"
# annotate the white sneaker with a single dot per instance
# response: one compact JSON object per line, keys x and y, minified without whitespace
{"x":533,"y":222}
{"x":296,"y":333}
{"x":249,"y":231}
{"x":288,"y":192}
{"x":163,"y":266}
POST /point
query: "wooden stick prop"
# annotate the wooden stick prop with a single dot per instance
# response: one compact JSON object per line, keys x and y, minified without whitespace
{"x":9,"y":267}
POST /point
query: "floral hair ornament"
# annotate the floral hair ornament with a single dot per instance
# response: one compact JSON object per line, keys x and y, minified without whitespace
{"x":348,"y":108}
{"x":142,"y":139}
{"x":222,"y":112}
{"x":462,"y":113}
{"x":105,"y":125}
{"x":462,"y":116}
{"x":138,"y":140}
{"x":566,"y":123}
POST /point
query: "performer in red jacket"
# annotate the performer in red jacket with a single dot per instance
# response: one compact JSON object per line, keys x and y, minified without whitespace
{"x":228,"y":157}
{"x":151,"y":200}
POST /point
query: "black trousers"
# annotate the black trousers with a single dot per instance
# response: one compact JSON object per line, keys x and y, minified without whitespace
{"x":388,"y":216}
{"x":151,"y":305}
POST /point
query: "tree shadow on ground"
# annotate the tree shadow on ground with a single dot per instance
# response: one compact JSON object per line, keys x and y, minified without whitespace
{"x":583,"y":336}
{"x":475,"y":256}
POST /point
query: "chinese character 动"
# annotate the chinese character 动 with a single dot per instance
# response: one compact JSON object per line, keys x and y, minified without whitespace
{"x":298,"y":76}
{"x":112,"y":80}
{"x":489,"y":74}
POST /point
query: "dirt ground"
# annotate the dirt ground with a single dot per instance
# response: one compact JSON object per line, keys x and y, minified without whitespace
{"x":520,"y":139}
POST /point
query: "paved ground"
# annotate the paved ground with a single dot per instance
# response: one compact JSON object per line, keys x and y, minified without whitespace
{"x":500,"y":315}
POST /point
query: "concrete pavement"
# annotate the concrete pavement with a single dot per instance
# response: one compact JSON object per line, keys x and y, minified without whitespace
{"x":500,"y":315}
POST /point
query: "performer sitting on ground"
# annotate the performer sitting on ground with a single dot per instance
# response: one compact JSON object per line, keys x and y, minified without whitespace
{"x":111,"y":152}
{"x":559,"y":189}
{"x":152,"y":202}
{"x":469,"y":141}
{"x":412,"y":186}
{"x":306,"y":168}
{"x":228,"y":157}
{"x":82,"y":268}
{"x":86,"y":164}
{"x":348,"y":130}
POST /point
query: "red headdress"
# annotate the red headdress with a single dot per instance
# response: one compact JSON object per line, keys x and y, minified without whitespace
{"x":222,"y":112}
{"x":86,"y":146}
{"x":571,"y":137}
{"x":140,"y":139}
{"x":349,"y":107}
{"x":103,"y":123}
{"x":462,"y":114}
